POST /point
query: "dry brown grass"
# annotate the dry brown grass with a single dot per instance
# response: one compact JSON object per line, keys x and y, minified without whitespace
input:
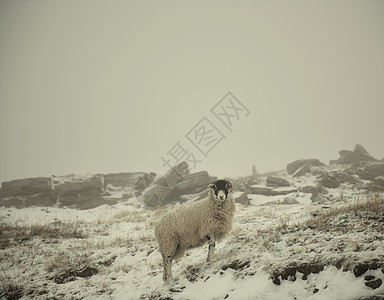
{"x":371,"y":206}
{"x":14,"y":234}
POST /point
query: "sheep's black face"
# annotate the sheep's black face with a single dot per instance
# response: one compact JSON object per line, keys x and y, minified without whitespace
{"x":221,"y":189}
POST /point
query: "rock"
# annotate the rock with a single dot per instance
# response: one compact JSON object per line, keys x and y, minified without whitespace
{"x":254,"y":172}
{"x":294,"y":166}
{"x":80,"y":192}
{"x":160,"y":192}
{"x":174,"y":175}
{"x":193,"y":197}
{"x":360,"y":269}
{"x":369,"y":277}
{"x":27,"y":187}
{"x":356,"y":157}
{"x":155,"y":195}
{"x":237,"y":264}
{"x":135,"y":180}
{"x":379,"y":180}
{"x":27,"y":192}
{"x":277,"y":181}
{"x":370,"y":172}
{"x":283,"y":191}
{"x":374,"y":284}
{"x":242,"y":199}
{"x":289,"y":201}
{"x":260,"y":189}
{"x":330,"y":182}
{"x":302,"y":170}
{"x":194,"y":183}
{"x":310,"y":189}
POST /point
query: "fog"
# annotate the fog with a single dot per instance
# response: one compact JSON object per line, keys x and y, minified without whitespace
{"x":113,"y":86}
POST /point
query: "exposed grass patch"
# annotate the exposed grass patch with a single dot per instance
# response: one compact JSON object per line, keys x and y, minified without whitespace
{"x":14,"y":234}
{"x":65,"y":266}
{"x":338,"y":218}
{"x":9,"y":288}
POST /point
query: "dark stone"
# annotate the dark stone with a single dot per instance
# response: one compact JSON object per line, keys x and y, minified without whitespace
{"x":370,"y":172}
{"x":330,"y":182}
{"x":309,"y":189}
{"x":356,"y":157}
{"x":369,"y":277}
{"x":379,"y":180}
{"x":27,"y":187}
{"x":360,"y":269}
{"x":135,"y":180}
{"x":276,"y":280}
{"x":27,"y":192}
{"x":260,"y":189}
{"x":243,"y":199}
{"x":193,"y":183}
{"x":375,"y":284}
{"x":237,"y":264}
{"x":310,"y":268}
{"x":161,"y":191}
{"x":294,"y":166}
{"x":277,"y":182}
{"x":302,"y":170}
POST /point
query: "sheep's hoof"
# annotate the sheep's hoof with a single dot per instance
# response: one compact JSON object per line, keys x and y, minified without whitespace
{"x":211,"y":260}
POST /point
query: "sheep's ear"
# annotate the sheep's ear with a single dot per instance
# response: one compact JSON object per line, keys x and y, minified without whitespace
{"x":212,"y":186}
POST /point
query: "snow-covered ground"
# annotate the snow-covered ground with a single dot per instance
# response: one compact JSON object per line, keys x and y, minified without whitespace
{"x":275,"y":251}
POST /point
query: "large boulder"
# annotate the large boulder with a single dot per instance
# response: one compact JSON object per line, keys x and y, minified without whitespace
{"x":297,"y":164}
{"x":302,"y":170}
{"x":158,"y":193}
{"x":260,"y":189}
{"x":194,"y":183}
{"x":370,"y":172}
{"x":277,"y":181}
{"x":27,"y":187}
{"x":356,"y":157}
{"x":27,"y":192}
{"x":79,"y":192}
{"x":134,"y":180}
{"x":242,"y":198}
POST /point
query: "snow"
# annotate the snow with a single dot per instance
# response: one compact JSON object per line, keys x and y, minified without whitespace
{"x":120,"y":244}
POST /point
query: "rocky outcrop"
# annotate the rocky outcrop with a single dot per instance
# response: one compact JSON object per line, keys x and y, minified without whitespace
{"x":79,"y":192}
{"x":277,"y":181}
{"x":297,"y":164}
{"x":27,"y":192}
{"x":177,"y":182}
{"x":75,"y":191}
{"x":356,"y":157}
{"x":260,"y":189}
{"x":136,"y":180}
{"x":370,"y":172}
{"x":242,"y":199}
{"x":302,"y":170}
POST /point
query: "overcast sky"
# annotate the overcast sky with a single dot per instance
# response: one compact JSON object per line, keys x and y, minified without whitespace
{"x":111,"y":86}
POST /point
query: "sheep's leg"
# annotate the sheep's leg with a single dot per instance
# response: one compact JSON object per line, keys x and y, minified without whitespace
{"x":167,"y":274}
{"x":211,"y":248}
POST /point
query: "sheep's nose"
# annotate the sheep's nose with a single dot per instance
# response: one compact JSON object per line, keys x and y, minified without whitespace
{"x":221,"y":197}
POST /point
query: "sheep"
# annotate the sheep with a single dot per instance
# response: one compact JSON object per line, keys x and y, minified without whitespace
{"x":192,"y":224}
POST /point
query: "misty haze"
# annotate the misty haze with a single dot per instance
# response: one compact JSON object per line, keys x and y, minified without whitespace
{"x":118,"y":115}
